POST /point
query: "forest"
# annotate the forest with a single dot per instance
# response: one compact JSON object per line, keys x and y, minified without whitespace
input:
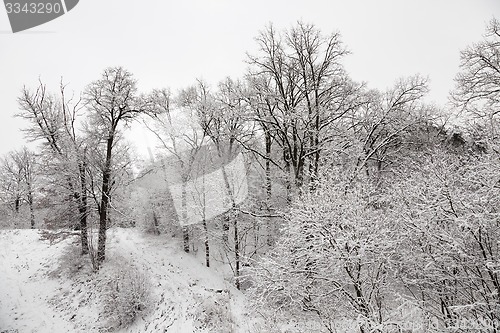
{"x":326,"y":202}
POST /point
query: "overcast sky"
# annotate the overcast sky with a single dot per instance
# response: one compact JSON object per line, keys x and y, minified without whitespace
{"x":171,"y":43}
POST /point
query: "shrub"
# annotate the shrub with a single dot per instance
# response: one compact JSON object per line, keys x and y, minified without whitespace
{"x":213,"y":314}
{"x":126,"y":295}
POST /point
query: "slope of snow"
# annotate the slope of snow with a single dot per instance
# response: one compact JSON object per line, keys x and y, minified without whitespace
{"x":24,"y":286}
{"x":35,"y":296}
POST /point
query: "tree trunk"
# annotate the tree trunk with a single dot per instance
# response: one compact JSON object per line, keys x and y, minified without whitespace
{"x":268,"y":167}
{"x":156,"y":223}
{"x":82,"y":209}
{"x":185,"y":229}
{"x":229,"y":215}
{"x":226,"y":220}
{"x":269,"y":229}
{"x":32,"y":210}
{"x":103,"y":211}
{"x":299,"y":173}
{"x":317,"y":122}
{"x":207,"y":247}
{"x":204,"y":221}
{"x":314,"y":160}
{"x":288,"y":183}
{"x":17,"y":203}
{"x":236,"y":250}
{"x":225,"y":229}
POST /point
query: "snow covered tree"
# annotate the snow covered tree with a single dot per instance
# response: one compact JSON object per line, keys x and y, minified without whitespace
{"x":12,"y":182}
{"x":305,"y":91}
{"x":177,"y":130}
{"x":223,"y":118}
{"x":26,"y":160}
{"x":448,"y":229}
{"x":53,"y":119}
{"x":477,"y":92}
{"x":18,"y":176}
{"x":334,"y":257}
{"x":111,"y":101}
{"x":383,"y":125}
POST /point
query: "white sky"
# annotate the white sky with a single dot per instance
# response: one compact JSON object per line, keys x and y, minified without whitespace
{"x":171,"y":43}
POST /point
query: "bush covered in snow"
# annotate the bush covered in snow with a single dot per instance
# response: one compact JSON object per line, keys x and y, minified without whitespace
{"x":120,"y":290}
{"x":126,"y":295}
{"x":213,"y":314}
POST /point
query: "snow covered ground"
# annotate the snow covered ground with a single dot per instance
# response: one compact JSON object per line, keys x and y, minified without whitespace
{"x":24,"y":285}
{"x":44,"y":288}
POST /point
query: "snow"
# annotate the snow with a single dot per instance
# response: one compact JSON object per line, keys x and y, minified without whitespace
{"x":24,"y":287}
{"x":187,"y":296}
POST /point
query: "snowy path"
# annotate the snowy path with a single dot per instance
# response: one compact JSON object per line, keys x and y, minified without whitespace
{"x":24,"y":288}
{"x":183,"y":282}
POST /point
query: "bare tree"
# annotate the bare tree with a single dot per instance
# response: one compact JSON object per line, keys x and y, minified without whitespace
{"x":477,"y":92}
{"x":53,"y":119}
{"x":18,"y":179}
{"x":381,"y":127}
{"x":181,"y":143}
{"x":111,"y":101}
{"x":26,"y":160}
{"x":223,"y":118}
{"x":304,"y":90}
{"x":12,"y":182}
{"x":446,"y":210}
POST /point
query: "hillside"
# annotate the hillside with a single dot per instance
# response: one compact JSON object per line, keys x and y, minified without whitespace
{"x":47,"y":287}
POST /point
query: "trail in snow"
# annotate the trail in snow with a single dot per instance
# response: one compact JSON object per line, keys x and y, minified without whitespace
{"x":188,"y":297}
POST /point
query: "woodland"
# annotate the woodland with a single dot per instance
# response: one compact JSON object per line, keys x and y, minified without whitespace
{"x":360,"y":205}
